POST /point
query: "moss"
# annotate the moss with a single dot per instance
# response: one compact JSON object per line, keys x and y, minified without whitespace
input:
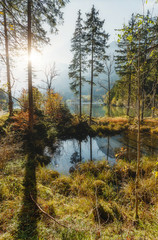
{"x":82,"y":185}
{"x":62,"y":185}
{"x":99,"y":186}
{"x":46,"y":176}
{"x":73,"y":235}
{"x":117,"y":211}
{"x":51,"y":208}
{"x":103,"y":213}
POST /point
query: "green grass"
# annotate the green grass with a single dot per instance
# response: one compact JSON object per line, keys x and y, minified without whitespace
{"x":76,"y":200}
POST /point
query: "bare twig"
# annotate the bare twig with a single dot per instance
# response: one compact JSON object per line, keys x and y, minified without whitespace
{"x":47,"y":214}
{"x":12,"y":97}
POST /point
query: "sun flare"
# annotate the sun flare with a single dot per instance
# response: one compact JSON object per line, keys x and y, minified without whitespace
{"x":35,"y":58}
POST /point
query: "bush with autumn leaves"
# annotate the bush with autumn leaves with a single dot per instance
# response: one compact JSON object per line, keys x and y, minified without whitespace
{"x":47,"y":106}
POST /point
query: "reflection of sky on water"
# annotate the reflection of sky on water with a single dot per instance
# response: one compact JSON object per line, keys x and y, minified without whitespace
{"x":68,"y":153}
{"x":71,"y":152}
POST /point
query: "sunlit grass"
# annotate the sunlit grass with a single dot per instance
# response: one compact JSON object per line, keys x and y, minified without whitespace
{"x":72,"y":200}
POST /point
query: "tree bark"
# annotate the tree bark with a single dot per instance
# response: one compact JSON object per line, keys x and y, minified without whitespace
{"x":92,"y":70}
{"x":7,"y":61}
{"x":80,"y":83}
{"x":129,"y":96}
{"x":109,"y":95}
{"x":138,"y":139}
{"x":91,"y":152}
{"x":30,"y":91}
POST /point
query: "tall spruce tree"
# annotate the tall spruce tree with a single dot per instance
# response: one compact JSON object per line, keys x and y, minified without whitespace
{"x":78,"y":63}
{"x":126,"y":49}
{"x":154,"y":67}
{"x":146,"y":60}
{"x":127,"y":58}
{"x":95,"y":47}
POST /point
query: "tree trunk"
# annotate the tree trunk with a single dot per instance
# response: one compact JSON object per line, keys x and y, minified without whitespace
{"x":108,"y":148}
{"x":153,"y":99}
{"x":80,"y":84}
{"x":143,"y":103}
{"x":129,"y":96}
{"x":138,"y":140}
{"x":80,"y":151}
{"x":30,"y":92}
{"x":91,"y":99}
{"x":91,"y":153}
{"x":7,"y":61}
{"x":109,"y":95}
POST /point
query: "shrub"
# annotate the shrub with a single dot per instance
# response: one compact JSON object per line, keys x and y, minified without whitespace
{"x":46,"y":176}
{"x":62,"y":185}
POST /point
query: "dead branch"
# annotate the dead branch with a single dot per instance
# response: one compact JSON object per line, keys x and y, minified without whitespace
{"x":47,"y":214}
{"x":12,"y":97}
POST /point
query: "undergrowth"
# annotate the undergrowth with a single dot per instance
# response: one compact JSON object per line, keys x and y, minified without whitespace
{"x":95,"y":202}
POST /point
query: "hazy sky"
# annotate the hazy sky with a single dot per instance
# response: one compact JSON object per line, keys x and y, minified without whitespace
{"x":115,"y":13}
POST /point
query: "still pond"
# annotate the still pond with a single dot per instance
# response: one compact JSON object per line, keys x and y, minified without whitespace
{"x":71,"y":152}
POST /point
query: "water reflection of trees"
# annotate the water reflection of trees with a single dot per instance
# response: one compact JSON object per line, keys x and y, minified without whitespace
{"x":73,"y":152}
{"x":103,"y":145}
{"x":76,"y":157}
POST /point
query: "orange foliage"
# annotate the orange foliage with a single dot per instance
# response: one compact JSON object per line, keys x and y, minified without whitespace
{"x":52,"y":105}
{"x":21,"y":121}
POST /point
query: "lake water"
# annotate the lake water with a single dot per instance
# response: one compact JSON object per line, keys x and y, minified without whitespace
{"x":71,"y":152}
{"x":100,"y":110}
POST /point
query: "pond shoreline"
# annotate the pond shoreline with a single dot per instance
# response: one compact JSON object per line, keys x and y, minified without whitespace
{"x":80,"y":128}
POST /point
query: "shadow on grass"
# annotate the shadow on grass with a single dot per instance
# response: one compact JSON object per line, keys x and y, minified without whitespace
{"x":29,"y":214}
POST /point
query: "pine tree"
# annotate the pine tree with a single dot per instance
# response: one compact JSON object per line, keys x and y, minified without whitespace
{"x":127,"y":57}
{"x":153,"y":52}
{"x":126,"y":47}
{"x":95,"y":47}
{"x":78,"y":63}
{"x":146,"y":60}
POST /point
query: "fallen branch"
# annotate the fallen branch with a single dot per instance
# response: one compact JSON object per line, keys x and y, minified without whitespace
{"x":45,"y":213}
